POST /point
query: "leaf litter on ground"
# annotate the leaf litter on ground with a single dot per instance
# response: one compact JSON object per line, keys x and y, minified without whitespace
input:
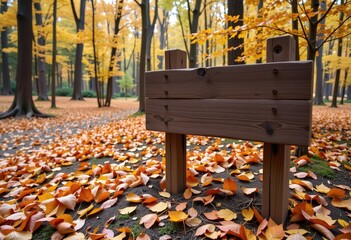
{"x":82,"y":181}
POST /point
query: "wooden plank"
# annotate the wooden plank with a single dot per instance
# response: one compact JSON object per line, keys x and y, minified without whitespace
{"x":276,"y":157}
{"x":175,"y":144}
{"x":275,"y":199}
{"x":291,"y":80}
{"x":274,"y":121}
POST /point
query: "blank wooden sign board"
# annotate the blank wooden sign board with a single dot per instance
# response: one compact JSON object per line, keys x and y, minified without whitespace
{"x":268,"y":102}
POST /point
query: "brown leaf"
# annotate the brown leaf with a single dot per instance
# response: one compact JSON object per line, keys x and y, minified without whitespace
{"x":149,"y":220}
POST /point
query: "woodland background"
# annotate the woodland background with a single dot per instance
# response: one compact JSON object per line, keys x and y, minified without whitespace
{"x":103,"y":48}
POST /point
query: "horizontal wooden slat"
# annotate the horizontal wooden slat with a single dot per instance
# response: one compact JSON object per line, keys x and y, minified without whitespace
{"x":272,"y":121}
{"x":284,"y":80}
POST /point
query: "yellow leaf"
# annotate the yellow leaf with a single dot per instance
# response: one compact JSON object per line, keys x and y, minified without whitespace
{"x":322,"y":189}
{"x":165,"y":194}
{"x":177,"y":216}
{"x":45,"y":196}
{"x":132,"y":197}
{"x":248,"y":214}
{"x":226,"y":214}
{"x":158,"y":207}
{"x":127,"y":210}
{"x":343,"y":223}
{"x":96,"y":210}
{"x":85,"y":211}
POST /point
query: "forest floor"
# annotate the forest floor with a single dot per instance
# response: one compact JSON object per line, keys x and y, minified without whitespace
{"x":97,"y":173}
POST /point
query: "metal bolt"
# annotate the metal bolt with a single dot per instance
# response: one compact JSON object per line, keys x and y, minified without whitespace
{"x":275,"y":92}
{"x":275,"y":71}
{"x":274,"y":110}
{"x":166,"y":76}
{"x":201,"y":72}
{"x":166,"y":92}
{"x":166,"y":106}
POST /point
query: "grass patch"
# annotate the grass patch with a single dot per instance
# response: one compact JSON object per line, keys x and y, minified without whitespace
{"x":319,"y":167}
{"x":123,"y":217}
{"x":44,"y":232}
{"x":169,"y":228}
{"x":136,"y":230}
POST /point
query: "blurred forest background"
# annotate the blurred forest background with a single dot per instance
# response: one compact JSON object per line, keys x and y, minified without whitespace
{"x":103,"y":48}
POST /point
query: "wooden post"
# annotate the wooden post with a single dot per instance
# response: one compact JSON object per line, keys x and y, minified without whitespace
{"x":175,"y":143}
{"x":276,"y":157}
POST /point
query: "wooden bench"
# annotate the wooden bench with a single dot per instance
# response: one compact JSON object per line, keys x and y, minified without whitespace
{"x":268,"y":102}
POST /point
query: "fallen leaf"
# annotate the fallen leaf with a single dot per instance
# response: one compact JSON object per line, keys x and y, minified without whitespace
{"x":177,"y":216}
{"x":127,"y":210}
{"x":149,"y":220}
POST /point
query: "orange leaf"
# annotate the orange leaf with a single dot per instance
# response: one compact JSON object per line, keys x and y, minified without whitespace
{"x":103,"y":196}
{"x":192,"y":181}
{"x":187,"y":193}
{"x":336,"y":193}
{"x":85,"y":195}
{"x":230,"y":185}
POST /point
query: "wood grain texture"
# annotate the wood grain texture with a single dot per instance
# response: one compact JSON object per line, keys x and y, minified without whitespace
{"x":276,"y":164}
{"x":175,"y":144}
{"x":285,"y":80}
{"x":273,"y":121}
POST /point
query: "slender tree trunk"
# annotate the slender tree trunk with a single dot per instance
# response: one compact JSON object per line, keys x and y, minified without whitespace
{"x":295,"y":27}
{"x":142,"y":65}
{"x":163,"y":23}
{"x":78,"y":70}
{"x":6,"y":87}
{"x":54,"y":43}
{"x":41,"y":66}
{"x":194,"y":24}
{"x":327,"y":74}
{"x":318,"y":99}
{"x":109,"y":90}
{"x":23,"y":104}
{"x":150,"y":32}
{"x":343,"y":91}
{"x":235,"y":8}
{"x":337,"y":76}
{"x":98,"y":88}
{"x":259,"y":47}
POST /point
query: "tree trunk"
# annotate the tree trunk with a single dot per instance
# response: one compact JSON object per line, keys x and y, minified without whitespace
{"x":150,"y":31}
{"x":54,"y":43}
{"x":343,"y":91}
{"x":318,"y":98}
{"x":235,"y":8}
{"x":110,"y":81}
{"x":23,"y":104}
{"x":194,"y":23}
{"x":6,"y":87}
{"x":41,"y":66}
{"x":327,"y":74}
{"x":96,"y":77}
{"x":337,"y":76}
{"x":142,"y":64}
{"x":295,"y":26}
{"x":78,"y":70}
{"x":163,"y":35}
